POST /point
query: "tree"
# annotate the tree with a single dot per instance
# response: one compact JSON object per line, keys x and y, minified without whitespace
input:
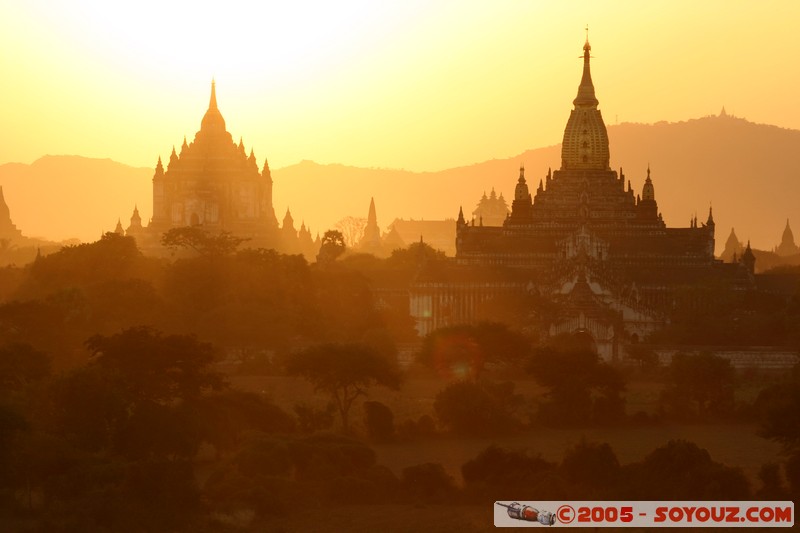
{"x":701,"y":385}
{"x":155,"y":367}
{"x":681,"y":470}
{"x":111,"y":257}
{"x":20,"y":365}
{"x":135,"y":396}
{"x":344,"y":371}
{"x":482,"y":409}
{"x":582,"y":388}
{"x":201,"y":241}
{"x":332,"y":246}
{"x":352,"y":229}
{"x":777,"y":407}
{"x":416,"y":253}
{"x":462,"y":351}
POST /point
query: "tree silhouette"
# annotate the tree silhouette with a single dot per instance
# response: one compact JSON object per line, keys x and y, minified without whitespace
{"x":352,"y":229}
{"x":701,"y":385}
{"x":461,"y":351}
{"x":156,"y":367}
{"x":201,"y":241}
{"x":344,"y":371}
{"x":135,"y":396}
{"x":21,"y":364}
{"x":482,"y":409}
{"x":332,"y":246}
{"x":582,"y":388}
{"x":778,"y":406}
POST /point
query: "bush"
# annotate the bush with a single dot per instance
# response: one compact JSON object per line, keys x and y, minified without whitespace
{"x":424,"y":426}
{"x":469,"y":408}
{"x":329,"y":456}
{"x":591,"y":464}
{"x":428,"y":482}
{"x":702,"y":386}
{"x":681,"y":470}
{"x":495,"y":471}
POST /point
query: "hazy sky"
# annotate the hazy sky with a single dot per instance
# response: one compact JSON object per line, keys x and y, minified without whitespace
{"x":414,"y":84}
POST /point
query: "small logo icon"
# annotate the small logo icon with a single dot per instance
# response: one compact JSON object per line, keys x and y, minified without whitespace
{"x":529,"y":514}
{"x":565,"y":514}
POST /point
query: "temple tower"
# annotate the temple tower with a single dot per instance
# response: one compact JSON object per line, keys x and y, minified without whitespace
{"x":585,"y":144}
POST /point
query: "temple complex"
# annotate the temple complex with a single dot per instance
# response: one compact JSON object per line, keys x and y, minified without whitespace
{"x":584,"y":239}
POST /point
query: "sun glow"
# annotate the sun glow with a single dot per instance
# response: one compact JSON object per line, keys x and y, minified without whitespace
{"x":414,"y":85}
{"x":405,"y":85}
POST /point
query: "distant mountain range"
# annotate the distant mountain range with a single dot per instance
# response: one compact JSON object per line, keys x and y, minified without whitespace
{"x":63,"y":197}
{"x":749,"y":172}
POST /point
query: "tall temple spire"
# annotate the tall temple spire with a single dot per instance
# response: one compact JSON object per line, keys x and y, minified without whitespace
{"x":585,"y":144}
{"x":372,"y":233}
{"x":586,"y":95}
{"x":648,"y":191}
{"x":372,"y":218}
{"x":521,"y":190}
{"x":212,"y":103}
{"x":787,"y":245}
{"x":787,"y":231}
{"x":212,"y":120}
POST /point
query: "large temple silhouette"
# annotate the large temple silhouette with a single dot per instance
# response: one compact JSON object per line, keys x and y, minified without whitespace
{"x":213,"y":183}
{"x":584,"y":239}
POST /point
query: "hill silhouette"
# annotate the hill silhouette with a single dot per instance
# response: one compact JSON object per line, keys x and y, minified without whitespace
{"x":64,"y":197}
{"x":748,"y":171}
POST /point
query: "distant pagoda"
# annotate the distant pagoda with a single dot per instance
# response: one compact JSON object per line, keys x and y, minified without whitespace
{"x":787,"y":246}
{"x":491,"y":210}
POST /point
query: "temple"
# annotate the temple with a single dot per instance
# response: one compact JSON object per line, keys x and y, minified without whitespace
{"x":584,"y":239}
{"x":491,"y":210}
{"x":212,"y":182}
{"x":787,"y":247}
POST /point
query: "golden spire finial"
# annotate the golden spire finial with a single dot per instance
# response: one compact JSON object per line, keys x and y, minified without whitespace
{"x":212,"y":104}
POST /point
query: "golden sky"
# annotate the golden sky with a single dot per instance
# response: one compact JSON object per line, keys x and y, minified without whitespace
{"x":414,"y":84}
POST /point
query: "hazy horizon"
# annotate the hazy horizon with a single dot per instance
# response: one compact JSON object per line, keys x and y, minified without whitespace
{"x":415,"y":87}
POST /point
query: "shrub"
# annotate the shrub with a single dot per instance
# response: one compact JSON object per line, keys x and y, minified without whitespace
{"x":469,"y":408}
